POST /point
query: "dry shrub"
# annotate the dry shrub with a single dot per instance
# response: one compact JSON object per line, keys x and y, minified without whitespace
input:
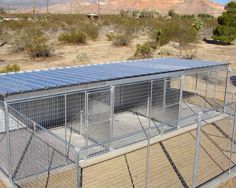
{"x":121,"y":40}
{"x":33,"y":42}
{"x":73,"y":37}
{"x":143,"y":51}
{"x":10,"y":68}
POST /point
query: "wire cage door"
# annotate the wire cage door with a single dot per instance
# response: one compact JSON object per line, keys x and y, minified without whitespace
{"x":98,"y":115}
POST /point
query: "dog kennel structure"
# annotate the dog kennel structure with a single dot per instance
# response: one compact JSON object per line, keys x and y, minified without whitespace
{"x":57,"y":111}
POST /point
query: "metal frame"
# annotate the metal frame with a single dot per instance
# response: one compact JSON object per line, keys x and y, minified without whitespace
{"x":86,"y":89}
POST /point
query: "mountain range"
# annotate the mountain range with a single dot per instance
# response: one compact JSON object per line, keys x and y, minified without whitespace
{"x":114,"y":6}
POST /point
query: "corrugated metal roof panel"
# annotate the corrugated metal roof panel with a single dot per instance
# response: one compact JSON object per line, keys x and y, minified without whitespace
{"x":60,"y":77}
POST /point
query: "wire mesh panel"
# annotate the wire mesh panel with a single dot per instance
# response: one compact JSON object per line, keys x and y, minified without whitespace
{"x":48,"y":112}
{"x":214,"y":150}
{"x":4,"y":161}
{"x":130,"y":107}
{"x":75,"y":111}
{"x":165,"y":100}
{"x":35,"y":153}
{"x":98,"y":115}
{"x":189,"y":103}
{"x":221,"y":84}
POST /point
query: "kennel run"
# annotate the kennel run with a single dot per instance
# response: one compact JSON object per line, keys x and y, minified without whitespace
{"x":48,"y":116}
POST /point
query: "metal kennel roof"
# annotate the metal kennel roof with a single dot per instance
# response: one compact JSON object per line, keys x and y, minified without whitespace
{"x":14,"y":83}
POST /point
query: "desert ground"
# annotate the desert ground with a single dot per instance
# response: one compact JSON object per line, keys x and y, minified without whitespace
{"x":102,"y":51}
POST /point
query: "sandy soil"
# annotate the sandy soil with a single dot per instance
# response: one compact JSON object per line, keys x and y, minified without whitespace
{"x":102,"y":51}
{"x":229,"y":184}
{"x":2,"y":185}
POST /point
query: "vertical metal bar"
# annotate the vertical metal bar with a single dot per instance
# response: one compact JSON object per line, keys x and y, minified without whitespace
{"x":34,"y":127}
{"x":164,"y":93}
{"x":180,"y":100}
{"x":148,"y":144}
{"x":197,"y":143}
{"x":150,"y":101}
{"x":206,"y":91}
{"x":78,"y":170}
{"x":214,"y":97}
{"x":86,"y":121}
{"x":7,"y":128}
{"x":226,"y":87}
{"x":66,"y":143}
{"x":232,"y":136}
{"x":196,"y":85}
{"x":112,"y":92}
{"x":81,"y":123}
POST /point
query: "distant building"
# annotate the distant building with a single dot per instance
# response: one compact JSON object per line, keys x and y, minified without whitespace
{"x":8,"y":17}
{"x":92,"y":16}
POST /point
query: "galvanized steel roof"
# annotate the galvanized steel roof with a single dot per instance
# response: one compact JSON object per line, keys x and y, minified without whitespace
{"x":13,"y":83}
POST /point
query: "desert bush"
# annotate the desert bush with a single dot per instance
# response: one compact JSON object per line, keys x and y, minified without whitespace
{"x":91,"y":30}
{"x":121,"y":40}
{"x":10,"y":68}
{"x":172,"y":13}
{"x":33,"y":42}
{"x":38,"y":48}
{"x":152,"y":44}
{"x":188,"y":54}
{"x":73,"y":37}
{"x":124,"y":13}
{"x":157,"y":36}
{"x":110,"y":36}
{"x":82,"y":57}
{"x":174,"y":31}
{"x":197,"y":24}
{"x":205,"y":16}
{"x":143,"y":51}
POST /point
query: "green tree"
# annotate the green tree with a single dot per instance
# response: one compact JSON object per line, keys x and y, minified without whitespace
{"x":226,"y":29}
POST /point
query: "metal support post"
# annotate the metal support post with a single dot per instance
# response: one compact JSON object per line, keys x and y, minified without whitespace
{"x":86,"y":122}
{"x":180,"y":100}
{"x":78,"y":170}
{"x":148,"y":144}
{"x":226,"y":88}
{"x":164,"y":93}
{"x":214,"y":96}
{"x":196,"y":85}
{"x":7,"y":128}
{"x":206,"y":93}
{"x":232,"y":136}
{"x":66,"y":143}
{"x":81,"y":123}
{"x":197,"y":143}
{"x":112,"y":107}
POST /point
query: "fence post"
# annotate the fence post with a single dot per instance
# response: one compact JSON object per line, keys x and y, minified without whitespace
{"x":7,"y":128}
{"x":196,"y":152}
{"x":206,"y":92}
{"x":81,"y":130}
{"x":112,"y":106}
{"x":86,"y":121}
{"x":180,"y":100}
{"x":226,"y":88}
{"x":78,"y":169}
{"x":232,"y":137}
{"x":66,"y":143}
{"x":148,"y":143}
